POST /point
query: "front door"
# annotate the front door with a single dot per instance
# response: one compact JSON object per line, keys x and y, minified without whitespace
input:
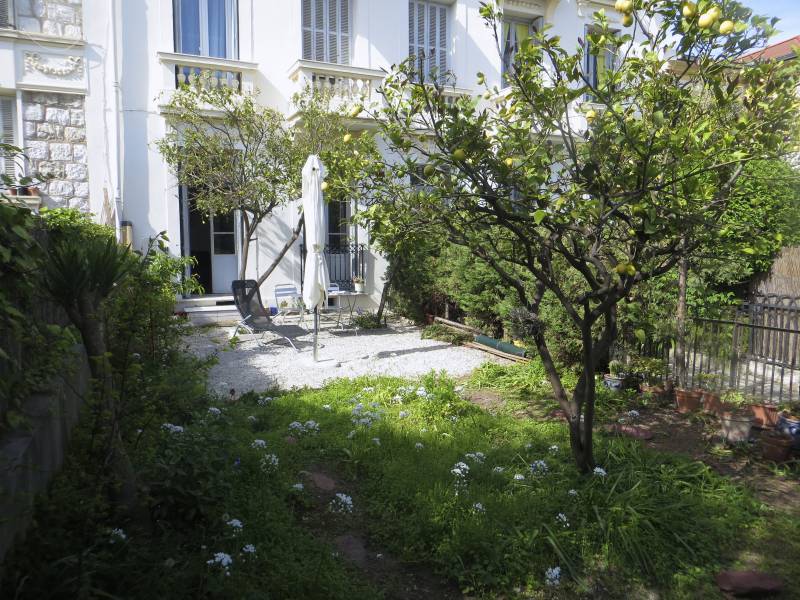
{"x":223,"y":253}
{"x":212,"y":244}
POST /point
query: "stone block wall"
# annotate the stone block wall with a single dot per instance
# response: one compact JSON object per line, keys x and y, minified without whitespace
{"x":54,"y":130}
{"x":63,"y":18}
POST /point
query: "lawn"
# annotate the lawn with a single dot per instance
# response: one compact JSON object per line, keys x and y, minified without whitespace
{"x":381,"y":487}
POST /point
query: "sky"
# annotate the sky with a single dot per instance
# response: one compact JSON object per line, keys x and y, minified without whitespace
{"x":787,"y":10}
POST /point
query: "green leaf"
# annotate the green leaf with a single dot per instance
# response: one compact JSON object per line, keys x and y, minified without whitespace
{"x":539,"y":216}
{"x":640,"y":335}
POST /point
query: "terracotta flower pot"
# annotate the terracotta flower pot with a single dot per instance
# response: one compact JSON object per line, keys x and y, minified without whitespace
{"x":765,"y":416}
{"x":712,"y":404}
{"x":656,"y":390}
{"x":776,"y":448}
{"x":687,"y":400}
{"x":735,"y":426}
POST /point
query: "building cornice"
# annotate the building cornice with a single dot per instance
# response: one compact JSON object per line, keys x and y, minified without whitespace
{"x":334,"y":69}
{"x":192,"y":60}
{"x":40,"y":38}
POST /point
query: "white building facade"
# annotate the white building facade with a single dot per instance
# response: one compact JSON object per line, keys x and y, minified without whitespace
{"x":83,"y":84}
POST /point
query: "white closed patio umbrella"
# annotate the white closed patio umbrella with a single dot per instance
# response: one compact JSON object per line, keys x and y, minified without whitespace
{"x":315,"y":278}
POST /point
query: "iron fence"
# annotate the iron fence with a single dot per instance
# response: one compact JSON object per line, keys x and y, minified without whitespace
{"x":345,"y":261}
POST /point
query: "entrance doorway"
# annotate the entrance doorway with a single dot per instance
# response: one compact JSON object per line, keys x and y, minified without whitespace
{"x":212,"y":243}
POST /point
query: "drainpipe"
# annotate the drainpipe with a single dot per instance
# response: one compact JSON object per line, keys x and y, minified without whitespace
{"x":118,"y":191}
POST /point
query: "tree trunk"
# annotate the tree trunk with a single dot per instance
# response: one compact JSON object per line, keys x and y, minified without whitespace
{"x":680,"y":322}
{"x":249,"y":230}
{"x":284,"y":250}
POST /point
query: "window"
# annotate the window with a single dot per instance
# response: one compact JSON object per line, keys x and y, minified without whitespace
{"x":338,"y":223}
{"x":7,"y":166}
{"x":326,"y":31}
{"x":597,"y":64}
{"x":6,"y":13}
{"x":515,"y":32}
{"x":206,"y":28}
{"x":427,"y":37}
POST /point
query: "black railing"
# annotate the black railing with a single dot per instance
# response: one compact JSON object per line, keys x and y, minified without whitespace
{"x":345,"y":262}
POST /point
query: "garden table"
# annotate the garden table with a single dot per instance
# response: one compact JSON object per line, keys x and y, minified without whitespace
{"x":351,"y":298}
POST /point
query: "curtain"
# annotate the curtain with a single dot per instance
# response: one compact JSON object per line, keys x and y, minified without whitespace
{"x":217,"y":29}
{"x":188,"y":34}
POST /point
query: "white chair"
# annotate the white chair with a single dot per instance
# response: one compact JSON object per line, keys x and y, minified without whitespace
{"x":289,"y":301}
{"x":333,"y":291}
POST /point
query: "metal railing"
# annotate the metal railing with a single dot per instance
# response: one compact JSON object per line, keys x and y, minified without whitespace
{"x":345,"y":262}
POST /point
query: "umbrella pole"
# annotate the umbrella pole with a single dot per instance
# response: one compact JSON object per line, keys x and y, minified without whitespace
{"x":316,"y":331}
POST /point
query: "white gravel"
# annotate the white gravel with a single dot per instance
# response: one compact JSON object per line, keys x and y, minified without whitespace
{"x":397,"y":351}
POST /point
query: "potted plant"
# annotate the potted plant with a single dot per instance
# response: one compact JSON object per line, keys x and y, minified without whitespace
{"x":789,"y":424}
{"x":712,"y":404}
{"x":776,"y":446}
{"x":765,"y":416}
{"x":358,"y":285}
{"x":687,"y":400}
{"x":614,"y":379}
{"x":736,"y":424}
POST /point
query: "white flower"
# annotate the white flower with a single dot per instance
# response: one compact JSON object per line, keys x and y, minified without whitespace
{"x":562,"y":518}
{"x":459,"y":388}
{"x":368,"y":390}
{"x":296,"y":426}
{"x":312,"y":426}
{"x":223,"y":560}
{"x":374,"y":404}
{"x":249,"y":549}
{"x":419,"y":446}
{"x":118,"y":534}
{"x":478,"y":457}
{"x":539,"y":467}
{"x":264,"y":401}
{"x":402,"y":414}
{"x":422,"y":392}
{"x":252,"y":418}
{"x":235,"y":523}
{"x":460,"y":469}
{"x":298,"y":487}
{"x":258,"y":444}
{"x":424,"y":430}
{"x":213,"y":410}
{"x":553,"y":576}
{"x":342,"y":503}
{"x":573,"y":492}
{"x":376,"y":441}
{"x":397,"y":398}
{"x":528,"y":446}
{"x":498,"y":469}
{"x":351,"y":435}
{"x":269,"y":463}
{"x":554,"y":449}
{"x":326,"y":407}
{"x":519,"y":477}
{"x":633,"y":413}
{"x":600,"y":471}
{"x":454,"y":418}
{"x":172,"y":428}
{"x":478,"y":507}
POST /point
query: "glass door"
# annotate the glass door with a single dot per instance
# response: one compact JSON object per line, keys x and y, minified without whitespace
{"x":223,"y":253}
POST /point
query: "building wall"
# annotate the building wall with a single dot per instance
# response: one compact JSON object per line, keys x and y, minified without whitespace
{"x":91,"y":78}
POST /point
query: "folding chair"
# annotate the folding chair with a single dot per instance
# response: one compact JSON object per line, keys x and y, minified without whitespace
{"x":255,"y":318}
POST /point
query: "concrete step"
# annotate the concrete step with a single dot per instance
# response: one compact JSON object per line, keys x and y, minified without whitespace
{"x":205,"y":300}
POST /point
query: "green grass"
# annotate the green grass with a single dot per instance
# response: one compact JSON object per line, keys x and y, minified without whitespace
{"x":653,"y":522}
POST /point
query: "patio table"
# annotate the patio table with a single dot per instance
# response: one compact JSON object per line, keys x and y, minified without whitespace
{"x":351,"y":298}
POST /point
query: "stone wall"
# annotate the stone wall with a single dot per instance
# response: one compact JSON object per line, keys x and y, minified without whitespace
{"x":54,"y":130}
{"x":63,"y":18}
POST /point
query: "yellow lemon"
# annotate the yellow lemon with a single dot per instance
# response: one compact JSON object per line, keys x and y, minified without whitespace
{"x":689,"y":10}
{"x":347,"y":137}
{"x":509,"y":162}
{"x":627,"y":20}
{"x":459,"y":154}
{"x":324,"y":186}
{"x":726,"y":27}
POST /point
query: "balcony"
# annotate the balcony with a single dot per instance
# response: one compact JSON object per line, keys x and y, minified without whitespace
{"x":182,"y":69}
{"x":344,"y":263}
{"x":346,"y":84}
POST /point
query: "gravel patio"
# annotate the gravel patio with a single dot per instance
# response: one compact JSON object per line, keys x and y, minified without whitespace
{"x":397,"y":350}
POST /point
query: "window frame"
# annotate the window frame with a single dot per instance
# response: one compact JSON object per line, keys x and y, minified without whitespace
{"x":590,"y":63}
{"x":231,"y":28}
{"x":344,"y":47}
{"x":534,"y":25}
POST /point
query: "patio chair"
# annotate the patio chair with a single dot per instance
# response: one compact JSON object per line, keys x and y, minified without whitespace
{"x":255,"y":318}
{"x":336,"y":309}
{"x":289,"y":301}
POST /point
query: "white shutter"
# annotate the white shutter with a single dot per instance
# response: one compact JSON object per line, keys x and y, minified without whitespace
{"x":344,"y":32}
{"x":6,"y":19}
{"x":326,"y":31}
{"x":7,"y":134}
{"x":427,"y":36}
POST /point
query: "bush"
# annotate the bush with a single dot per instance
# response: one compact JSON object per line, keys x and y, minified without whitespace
{"x":443,"y":333}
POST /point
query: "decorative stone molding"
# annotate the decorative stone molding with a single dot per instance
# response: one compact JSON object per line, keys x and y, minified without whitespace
{"x":71,"y":65}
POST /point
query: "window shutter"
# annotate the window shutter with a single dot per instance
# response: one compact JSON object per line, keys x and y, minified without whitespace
{"x":344,"y":32}
{"x":307,"y":30}
{"x":442,"y":45}
{"x":7,"y":132}
{"x":319,"y":30}
{"x":5,"y":13}
{"x":427,"y":36}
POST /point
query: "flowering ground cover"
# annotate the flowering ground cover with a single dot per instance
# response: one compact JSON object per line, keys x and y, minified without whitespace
{"x":260,"y":498}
